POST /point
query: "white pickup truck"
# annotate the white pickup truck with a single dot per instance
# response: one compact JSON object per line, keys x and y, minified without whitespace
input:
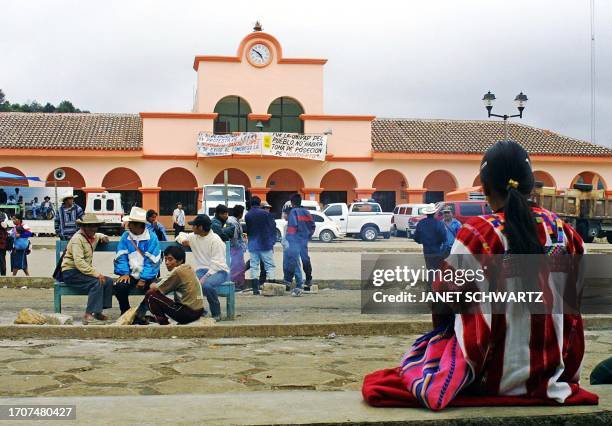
{"x":363,"y":219}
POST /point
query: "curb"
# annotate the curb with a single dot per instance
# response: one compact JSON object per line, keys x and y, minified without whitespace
{"x":369,"y":328}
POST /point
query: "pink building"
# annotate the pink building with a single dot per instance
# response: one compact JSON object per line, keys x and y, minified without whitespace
{"x":151,"y":157}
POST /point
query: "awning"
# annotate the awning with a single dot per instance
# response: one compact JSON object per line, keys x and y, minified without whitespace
{"x":4,"y":175}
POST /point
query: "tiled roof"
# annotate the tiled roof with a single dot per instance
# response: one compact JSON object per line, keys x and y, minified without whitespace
{"x":70,"y":131}
{"x":465,"y":136}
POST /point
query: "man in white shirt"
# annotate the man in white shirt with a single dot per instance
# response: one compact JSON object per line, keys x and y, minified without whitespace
{"x":210,"y":260}
{"x":178,"y":219}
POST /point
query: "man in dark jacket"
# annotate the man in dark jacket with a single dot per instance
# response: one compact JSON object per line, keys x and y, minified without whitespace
{"x":300,"y":227}
{"x":220,"y":225}
{"x":431,"y":233}
{"x":261,"y":230}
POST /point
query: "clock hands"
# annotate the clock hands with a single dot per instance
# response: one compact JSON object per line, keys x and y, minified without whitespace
{"x":260,"y":55}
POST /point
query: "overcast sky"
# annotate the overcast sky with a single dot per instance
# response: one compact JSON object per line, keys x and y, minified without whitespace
{"x":414,"y":59}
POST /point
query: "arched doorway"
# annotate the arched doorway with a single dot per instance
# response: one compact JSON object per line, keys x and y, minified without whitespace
{"x":338,"y":187}
{"x":438,"y":183}
{"x":477,"y":181}
{"x":178,"y":185}
{"x":545,"y":178}
{"x":125,"y":182}
{"x":591,"y":178}
{"x":235,"y":176}
{"x":74,"y":179}
{"x":282,"y":183}
{"x":13,"y":182}
{"x":389,"y":185}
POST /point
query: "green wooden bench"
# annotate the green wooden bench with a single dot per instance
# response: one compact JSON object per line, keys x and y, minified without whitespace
{"x":61,"y":289}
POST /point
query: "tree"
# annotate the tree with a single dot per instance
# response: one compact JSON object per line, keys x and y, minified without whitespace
{"x":49,"y":108}
{"x":65,"y":106}
{"x":2,"y":97}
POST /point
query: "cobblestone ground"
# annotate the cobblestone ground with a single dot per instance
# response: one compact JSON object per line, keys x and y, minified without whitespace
{"x":153,"y":367}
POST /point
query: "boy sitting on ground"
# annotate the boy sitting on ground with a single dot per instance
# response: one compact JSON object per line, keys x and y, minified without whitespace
{"x":188,"y":303}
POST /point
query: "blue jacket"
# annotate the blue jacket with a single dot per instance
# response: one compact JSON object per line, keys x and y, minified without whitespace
{"x":261,"y":229}
{"x":432,"y":234}
{"x":160,"y":228}
{"x":128,"y":261}
{"x":300,"y":225}
{"x":451,"y":233}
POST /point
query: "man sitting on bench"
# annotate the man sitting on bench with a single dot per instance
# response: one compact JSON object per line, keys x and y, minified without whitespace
{"x":209,"y":254}
{"x":78,"y":271}
{"x":188,"y":303}
{"x":136,"y":262}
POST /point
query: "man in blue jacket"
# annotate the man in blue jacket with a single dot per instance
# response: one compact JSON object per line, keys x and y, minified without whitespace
{"x":137,"y":260}
{"x":431,"y":233}
{"x":261,"y":230}
{"x":300,"y":227}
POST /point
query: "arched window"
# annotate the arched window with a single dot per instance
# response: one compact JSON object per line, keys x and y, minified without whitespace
{"x":285,"y":116}
{"x":233,"y":116}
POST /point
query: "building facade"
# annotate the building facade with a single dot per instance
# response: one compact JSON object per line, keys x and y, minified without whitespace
{"x":151,"y":157}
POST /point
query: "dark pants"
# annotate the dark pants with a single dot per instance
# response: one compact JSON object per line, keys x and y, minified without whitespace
{"x":297,"y":250}
{"x":160,"y":306}
{"x":122,"y":292}
{"x":99,"y":297}
{"x":178,"y":229}
{"x":3,"y":262}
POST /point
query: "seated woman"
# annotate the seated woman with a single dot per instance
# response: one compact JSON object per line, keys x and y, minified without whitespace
{"x":526,"y":358}
{"x":188,"y":303}
{"x":78,"y":270}
{"x":137,"y":261}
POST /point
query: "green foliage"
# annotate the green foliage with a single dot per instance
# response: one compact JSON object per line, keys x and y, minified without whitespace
{"x":64,"y":106}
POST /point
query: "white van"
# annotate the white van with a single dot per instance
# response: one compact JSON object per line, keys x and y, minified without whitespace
{"x":215,"y":194}
{"x":107,"y":206}
{"x":402,"y":213}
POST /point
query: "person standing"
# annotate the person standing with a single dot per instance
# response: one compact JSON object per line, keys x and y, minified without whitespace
{"x":261,"y":230}
{"x":237,"y":248}
{"x":452,"y":226}
{"x":219,"y":223}
{"x":299,"y":277}
{"x":188,"y":303}
{"x":66,"y":217}
{"x":300,"y":227}
{"x":137,"y":260}
{"x":178,"y":219}
{"x":156,"y":227}
{"x":4,"y":241}
{"x":432,"y":235}
{"x":21,"y":245}
{"x":78,"y":271}
{"x":209,"y":254}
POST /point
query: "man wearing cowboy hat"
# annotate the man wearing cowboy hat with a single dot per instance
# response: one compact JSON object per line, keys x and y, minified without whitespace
{"x":137,"y":260}
{"x":431,"y":233}
{"x":66,"y":217}
{"x":78,"y":271}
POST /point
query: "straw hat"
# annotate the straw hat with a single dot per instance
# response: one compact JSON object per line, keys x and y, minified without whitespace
{"x":68,"y":196}
{"x":429,"y":210}
{"x":265,"y":205}
{"x":89,"y":219}
{"x":136,"y":215}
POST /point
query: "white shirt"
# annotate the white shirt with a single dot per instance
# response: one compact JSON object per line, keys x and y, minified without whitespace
{"x":179,"y":217}
{"x":208,"y":251}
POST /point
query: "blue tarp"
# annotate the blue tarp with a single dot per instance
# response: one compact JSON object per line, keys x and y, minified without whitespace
{"x":4,"y":175}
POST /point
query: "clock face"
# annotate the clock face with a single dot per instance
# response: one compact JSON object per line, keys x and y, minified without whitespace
{"x":259,"y":55}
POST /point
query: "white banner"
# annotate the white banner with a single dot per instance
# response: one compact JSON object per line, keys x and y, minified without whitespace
{"x":311,"y":147}
{"x":211,"y":145}
{"x":288,"y":145}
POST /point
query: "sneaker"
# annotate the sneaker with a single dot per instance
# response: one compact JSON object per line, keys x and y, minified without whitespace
{"x":141,"y":321}
{"x":297,"y":292}
{"x":217,"y":318}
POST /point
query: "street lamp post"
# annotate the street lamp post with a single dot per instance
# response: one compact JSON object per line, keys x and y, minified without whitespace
{"x":520,"y":100}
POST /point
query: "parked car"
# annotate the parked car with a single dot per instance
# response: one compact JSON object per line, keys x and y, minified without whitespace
{"x":326,"y":229}
{"x":364,"y":219}
{"x":462,"y":211}
{"x":402,"y":214}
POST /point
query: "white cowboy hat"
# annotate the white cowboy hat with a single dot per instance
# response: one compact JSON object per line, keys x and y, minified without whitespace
{"x":89,"y":219}
{"x":68,"y":196}
{"x":429,"y":210}
{"x":136,"y":215}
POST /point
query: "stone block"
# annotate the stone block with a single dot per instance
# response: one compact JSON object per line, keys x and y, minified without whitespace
{"x":314,"y":288}
{"x":204,"y":322}
{"x":30,"y":316}
{"x":58,"y":319}
{"x":272,"y":289}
